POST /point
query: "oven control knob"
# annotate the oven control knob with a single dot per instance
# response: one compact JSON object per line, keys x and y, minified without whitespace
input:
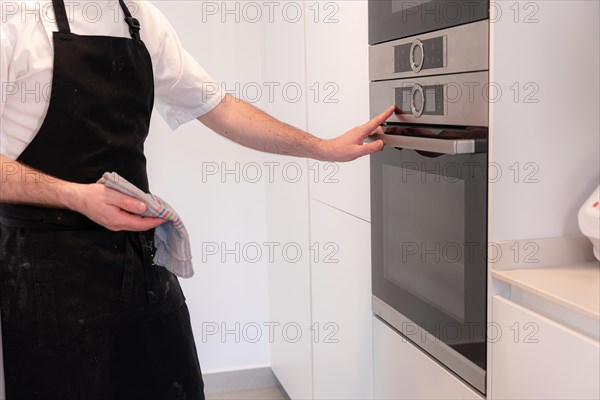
{"x":417,"y":55}
{"x":417,"y":100}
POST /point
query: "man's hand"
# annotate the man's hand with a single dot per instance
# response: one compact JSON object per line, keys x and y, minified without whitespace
{"x":351,"y":146}
{"x":111,"y":209}
{"x":107,"y":207}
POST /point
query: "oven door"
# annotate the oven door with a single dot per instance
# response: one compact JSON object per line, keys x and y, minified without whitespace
{"x":429,"y":242}
{"x":396,"y":19}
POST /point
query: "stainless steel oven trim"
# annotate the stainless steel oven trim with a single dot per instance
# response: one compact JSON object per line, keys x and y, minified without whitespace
{"x":465,"y":50}
{"x":469,"y":109}
{"x":463,"y":367}
{"x":442,"y":146}
{"x":416,"y":43}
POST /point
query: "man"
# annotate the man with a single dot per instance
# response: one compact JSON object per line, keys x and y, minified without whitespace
{"x":85,"y":312}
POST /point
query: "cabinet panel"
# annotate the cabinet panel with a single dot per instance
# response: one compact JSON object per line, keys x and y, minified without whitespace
{"x":289,"y":288}
{"x":401,"y":371}
{"x":287,"y":213}
{"x":536,"y":358}
{"x":338,"y":97}
{"x":341,"y":303}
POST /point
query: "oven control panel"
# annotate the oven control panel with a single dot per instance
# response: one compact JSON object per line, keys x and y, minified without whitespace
{"x":419,"y":55}
{"x":457,"y":99}
{"x":454,"y":50}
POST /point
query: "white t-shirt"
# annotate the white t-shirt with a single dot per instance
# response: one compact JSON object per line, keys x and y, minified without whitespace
{"x":183,"y":90}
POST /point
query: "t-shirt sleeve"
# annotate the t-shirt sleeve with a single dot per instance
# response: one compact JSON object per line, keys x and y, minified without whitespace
{"x":5,"y":57}
{"x":183,"y":89}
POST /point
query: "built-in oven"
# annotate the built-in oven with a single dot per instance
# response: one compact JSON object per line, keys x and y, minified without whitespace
{"x":429,"y":242}
{"x":429,"y":192}
{"x":395,"y":19}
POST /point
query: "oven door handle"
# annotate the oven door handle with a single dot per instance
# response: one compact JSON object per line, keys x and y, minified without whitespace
{"x":441,"y":146}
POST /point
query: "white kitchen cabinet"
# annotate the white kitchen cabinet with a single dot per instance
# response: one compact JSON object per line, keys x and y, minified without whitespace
{"x":337,"y":72}
{"x":289,"y":287}
{"x":341,"y":304}
{"x":402,"y":371}
{"x":287,"y":217}
{"x":326,"y":297}
{"x":327,"y":292}
{"x":534,"y":357}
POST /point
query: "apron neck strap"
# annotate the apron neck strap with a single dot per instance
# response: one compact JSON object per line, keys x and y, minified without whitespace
{"x":61,"y":16}
{"x":134,"y":24}
{"x":63,"y":22}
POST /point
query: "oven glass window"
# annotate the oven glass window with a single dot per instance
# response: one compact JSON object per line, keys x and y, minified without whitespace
{"x":424,"y":235}
{"x":429,"y":237}
{"x":395,"y":19}
{"x":403,"y":5}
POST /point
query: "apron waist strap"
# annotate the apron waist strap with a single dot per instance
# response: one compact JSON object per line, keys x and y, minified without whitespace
{"x":44,"y":218}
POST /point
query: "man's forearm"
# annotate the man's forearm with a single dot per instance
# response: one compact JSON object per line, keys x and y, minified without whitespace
{"x":22,"y":184}
{"x":250,"y":127}
{"x":107,"y":207}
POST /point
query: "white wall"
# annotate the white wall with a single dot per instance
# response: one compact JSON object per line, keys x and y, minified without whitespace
{"x":545,"y":141}
{"x":221,"y":209}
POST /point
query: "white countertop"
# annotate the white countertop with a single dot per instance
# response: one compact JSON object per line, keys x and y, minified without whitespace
{"x":556,"y":277}
{"x":574,"y":286}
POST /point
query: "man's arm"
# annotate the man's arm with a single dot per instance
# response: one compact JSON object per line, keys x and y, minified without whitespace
{"x":250,"y":127}
{"x":107,"y":207}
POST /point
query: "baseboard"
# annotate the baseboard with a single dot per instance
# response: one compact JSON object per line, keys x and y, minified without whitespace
{"x":245,"y":379}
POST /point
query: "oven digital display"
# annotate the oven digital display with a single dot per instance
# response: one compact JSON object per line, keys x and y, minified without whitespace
{"x":434,"y":99}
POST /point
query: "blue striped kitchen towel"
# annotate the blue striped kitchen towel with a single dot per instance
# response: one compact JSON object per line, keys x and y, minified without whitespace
{"x":171,"y":238}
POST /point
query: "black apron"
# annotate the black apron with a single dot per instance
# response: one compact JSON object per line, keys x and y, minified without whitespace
{"x":85,"y":312}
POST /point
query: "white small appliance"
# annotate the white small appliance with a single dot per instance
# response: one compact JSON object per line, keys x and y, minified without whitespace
{"x":589,"y":220}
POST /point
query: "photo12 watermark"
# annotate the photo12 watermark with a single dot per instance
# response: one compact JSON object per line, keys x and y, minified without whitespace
{"x":458,"y":11}
{"x":453,"y":172}
{"x":254,"y":12}
{"x":275,"y":92}
{"x":254,"y":332}
{"x":88,"y":11}
{"x":271,"y":253}
{"x":426,"y":254}
{"x":255,"y":172}
{"x":471,"y":92}
{"x":470,"y":332}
